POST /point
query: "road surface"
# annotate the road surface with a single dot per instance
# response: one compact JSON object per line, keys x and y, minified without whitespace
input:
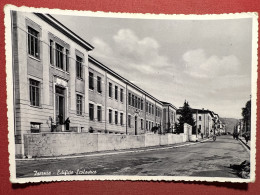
{"x":206,"y":159}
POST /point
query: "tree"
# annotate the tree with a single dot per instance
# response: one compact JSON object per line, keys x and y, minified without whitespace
{"x":246,"y":114}
{"x":185,"y":117}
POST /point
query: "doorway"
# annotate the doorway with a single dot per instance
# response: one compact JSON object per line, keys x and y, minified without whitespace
{"x":60,"y":104}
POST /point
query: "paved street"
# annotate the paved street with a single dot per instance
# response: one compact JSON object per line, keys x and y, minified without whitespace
{"x":202,"y":159}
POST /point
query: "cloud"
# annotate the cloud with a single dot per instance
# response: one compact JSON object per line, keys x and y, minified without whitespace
{"x":198,"y":64}
{"x":133,"y":52}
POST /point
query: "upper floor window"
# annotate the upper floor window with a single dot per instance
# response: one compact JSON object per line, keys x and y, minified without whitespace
{"x":99,"y":84}
{"x":33,"y":43}
{"x":51,"y":52}
{"x":121,"y":95}
{"x":59,"y":56}
{"x":79,"y":104}
{"x":91,"y":80}
{"x":142,"y":104}
{"x":110,"y":90}
{"x":116,"y":91}
{"x":34,"y":92}
{"x":199,"y":118}
{"x":91,"y":112}
{"x":129,"y":99}
{"x":133,"y":100}
{"x":152,"y":110}
{"x":79,"y":68}
{"x":67,"y":60}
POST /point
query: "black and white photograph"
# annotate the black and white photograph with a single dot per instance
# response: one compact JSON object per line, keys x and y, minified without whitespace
{"x":120,"y":96}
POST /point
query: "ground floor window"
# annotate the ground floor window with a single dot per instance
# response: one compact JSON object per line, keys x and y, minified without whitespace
{"x":99,"y":113}
{"x":121,"y":119}
{"x":116,"y":117}
{"x":129,"y":120}
{"x":91,"y":112}
{"x":34,"y":92}
{"x":35,"y":127}
{"x":110,"y":116}
{"x":79,"y":104}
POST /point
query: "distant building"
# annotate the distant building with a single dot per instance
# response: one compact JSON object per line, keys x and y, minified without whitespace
{"x":204,"y":119}
{"x":169,"y":117}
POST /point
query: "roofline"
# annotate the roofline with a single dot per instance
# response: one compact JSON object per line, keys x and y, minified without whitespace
{"x":66,"y":31}
{"x":104,"y":67}
{"x":169,"y":104}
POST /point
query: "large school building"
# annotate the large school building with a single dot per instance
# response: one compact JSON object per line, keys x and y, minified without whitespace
{"x":59,"y":87}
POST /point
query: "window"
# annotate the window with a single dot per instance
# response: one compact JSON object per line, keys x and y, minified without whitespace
{"x":35,"y":127}
{"x":91,"y":80}
{"x":152,"y":125}
{"x":129,"y":120}
{"x":99,"y":113}
{"x":142,"y":124}
{"x":133,"y":100}
{"x":59,"y":56}
{"x":199,"y":118}
{"x":156,"y":111}
{"x":79,"y":104}
{"x":139,"y":103}
{"x":79,"y":68}
{"x":146,"y":106}
{"x":142,"y":104}
{"x":149,"y":125}
{"x":33,"y":43}
{"x":116,"y":117}
{"x":121,"y":119}
{"x":91,"y":112}
{"x":129,"y":99}
{"x":136,"y":102}
{"x":67,"y":60}
{"x":99,"y":82}
{"x":146,"y":125}
{"x":51,"y":52}
{"x":149,"y":108}
{"x":121,"y":95}
{"x":152,"y":110}
{"x":34,"y":92}
{"x":110,"y":90}
{"x":116,"y":91}
{"x":110,"y":116}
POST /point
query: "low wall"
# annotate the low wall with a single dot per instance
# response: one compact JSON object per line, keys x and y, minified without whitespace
{"x":55,"y":144}
{"x":152,"y":140}
{"x":60,"y":143}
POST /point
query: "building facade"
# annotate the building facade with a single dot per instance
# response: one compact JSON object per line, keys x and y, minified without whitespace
{"x":58,"y":87}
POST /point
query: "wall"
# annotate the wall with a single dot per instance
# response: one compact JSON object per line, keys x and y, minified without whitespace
{"x":58,"y":144}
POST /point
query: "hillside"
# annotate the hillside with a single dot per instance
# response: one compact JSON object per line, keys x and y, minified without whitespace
{"x":230,"y":123}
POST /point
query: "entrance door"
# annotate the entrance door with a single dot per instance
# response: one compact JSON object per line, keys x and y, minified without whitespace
{"x":135,"y":125}
{"x":60,"y":104}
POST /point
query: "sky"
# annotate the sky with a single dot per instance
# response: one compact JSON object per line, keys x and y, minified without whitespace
{"x":206,"y":62}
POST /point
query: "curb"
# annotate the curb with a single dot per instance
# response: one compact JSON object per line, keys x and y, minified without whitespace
{"x":244,"y":145}
{"x":109,"y":153}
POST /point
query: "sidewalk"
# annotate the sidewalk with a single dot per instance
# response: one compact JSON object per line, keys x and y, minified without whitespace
{"x":114,"y":152}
